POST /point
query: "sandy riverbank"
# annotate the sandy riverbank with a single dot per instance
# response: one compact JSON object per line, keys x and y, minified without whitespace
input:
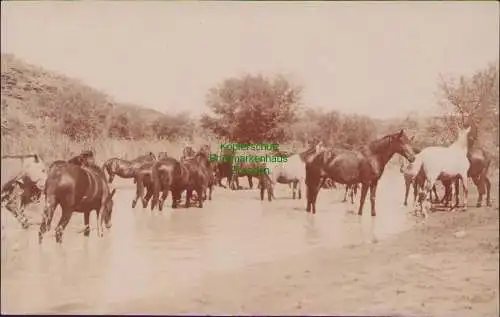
{"x":428,"y":270}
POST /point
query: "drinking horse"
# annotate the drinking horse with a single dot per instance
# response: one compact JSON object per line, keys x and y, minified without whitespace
{"x":439,"y":161}
{"x":348,"y":167}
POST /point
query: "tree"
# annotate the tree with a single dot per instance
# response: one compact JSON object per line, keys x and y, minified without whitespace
{"x":474,"y":97}
{"x":252,"y":109}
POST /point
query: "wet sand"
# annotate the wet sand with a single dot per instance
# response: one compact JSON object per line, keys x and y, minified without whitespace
{"x":430,"y":270}
{"x":241,"y":255}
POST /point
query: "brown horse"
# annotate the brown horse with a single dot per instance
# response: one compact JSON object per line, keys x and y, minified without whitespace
{"x":363,"y":166}
{"x":480,"y":161}
{"x":77,"y":189}
{"x":144,"y":179}
{"x":195,"y":174}
{"x":124,"y":168}
{"x":163,"y":174}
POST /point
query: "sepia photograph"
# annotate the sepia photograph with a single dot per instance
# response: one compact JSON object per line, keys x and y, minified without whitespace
{"x":250,"y":158}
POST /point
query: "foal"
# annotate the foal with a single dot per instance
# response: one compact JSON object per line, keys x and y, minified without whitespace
{"x":451,"y":161}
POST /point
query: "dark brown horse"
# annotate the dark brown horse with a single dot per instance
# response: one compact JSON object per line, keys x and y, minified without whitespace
{"x":195,"y":174}
{"x":124,"y":168}
{"x":163,"y":174}
{"x":144,"y":180}
{"x":77,"y":189}
{"x":363,"y":166}
{"x":224,"y":167}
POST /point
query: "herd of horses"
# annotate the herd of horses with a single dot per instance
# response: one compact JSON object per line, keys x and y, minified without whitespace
{"x":80,"y":185}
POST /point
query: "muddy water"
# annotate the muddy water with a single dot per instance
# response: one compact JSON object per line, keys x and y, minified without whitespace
{"x":149,"y":254}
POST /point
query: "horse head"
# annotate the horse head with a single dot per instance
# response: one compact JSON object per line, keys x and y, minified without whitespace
{"x":401,"y":144}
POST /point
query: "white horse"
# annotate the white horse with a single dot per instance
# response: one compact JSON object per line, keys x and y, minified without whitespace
{"x":437,"y":161}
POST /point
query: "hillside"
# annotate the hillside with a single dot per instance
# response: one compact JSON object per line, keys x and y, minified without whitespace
{"x":34,"y":99}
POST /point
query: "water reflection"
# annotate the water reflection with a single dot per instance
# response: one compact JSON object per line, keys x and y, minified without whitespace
{"x":147,"y":254}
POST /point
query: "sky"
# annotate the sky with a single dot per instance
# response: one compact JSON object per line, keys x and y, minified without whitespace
{"x":376,"y":59}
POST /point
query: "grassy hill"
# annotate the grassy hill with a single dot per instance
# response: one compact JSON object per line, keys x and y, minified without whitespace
{"x":55,"y":115}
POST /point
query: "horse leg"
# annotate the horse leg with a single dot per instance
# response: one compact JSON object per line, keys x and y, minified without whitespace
{"x":436,"y":196}
{"x":163,"y":198}
{"x":457,"y":188}
{"x":149,"y":194}
{"x":138,"y":194}
{"x":294,"y":189}
{"x":373,"y":196}
{"x":86,"y":221}
{"x":66,"y":214}
{"x":465,"y":187}
{"x":301,"y":184}
{"x":345,"y":194}
{"x":407,"y":191}
{"x":364,"y":191}
{"x":488,"y":189}
{"x":250,"y":181}
{"x":189,"y":194}
{"x":480,"y":188}
{"x":111,"y":176}
{"x":48,"y":214}
{"x":200,"y":190}
{"x":354,"y":189}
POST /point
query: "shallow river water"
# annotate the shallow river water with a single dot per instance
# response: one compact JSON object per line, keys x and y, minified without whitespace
{"x":148,"y":254}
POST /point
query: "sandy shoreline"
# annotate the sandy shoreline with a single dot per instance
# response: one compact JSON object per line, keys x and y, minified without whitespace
{"x":429,"y":270}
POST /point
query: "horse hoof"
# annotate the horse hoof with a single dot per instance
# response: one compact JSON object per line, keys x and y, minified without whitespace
{"x":478,"y":205}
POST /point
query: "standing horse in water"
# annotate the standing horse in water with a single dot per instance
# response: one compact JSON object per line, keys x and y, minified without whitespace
{"x":77,"y":188}
{"x":439,"y":161}
{"x":480,"y":161}
{"x":23,"y":179}
{"x":124,"y":168}
{"x":363,"y":166}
